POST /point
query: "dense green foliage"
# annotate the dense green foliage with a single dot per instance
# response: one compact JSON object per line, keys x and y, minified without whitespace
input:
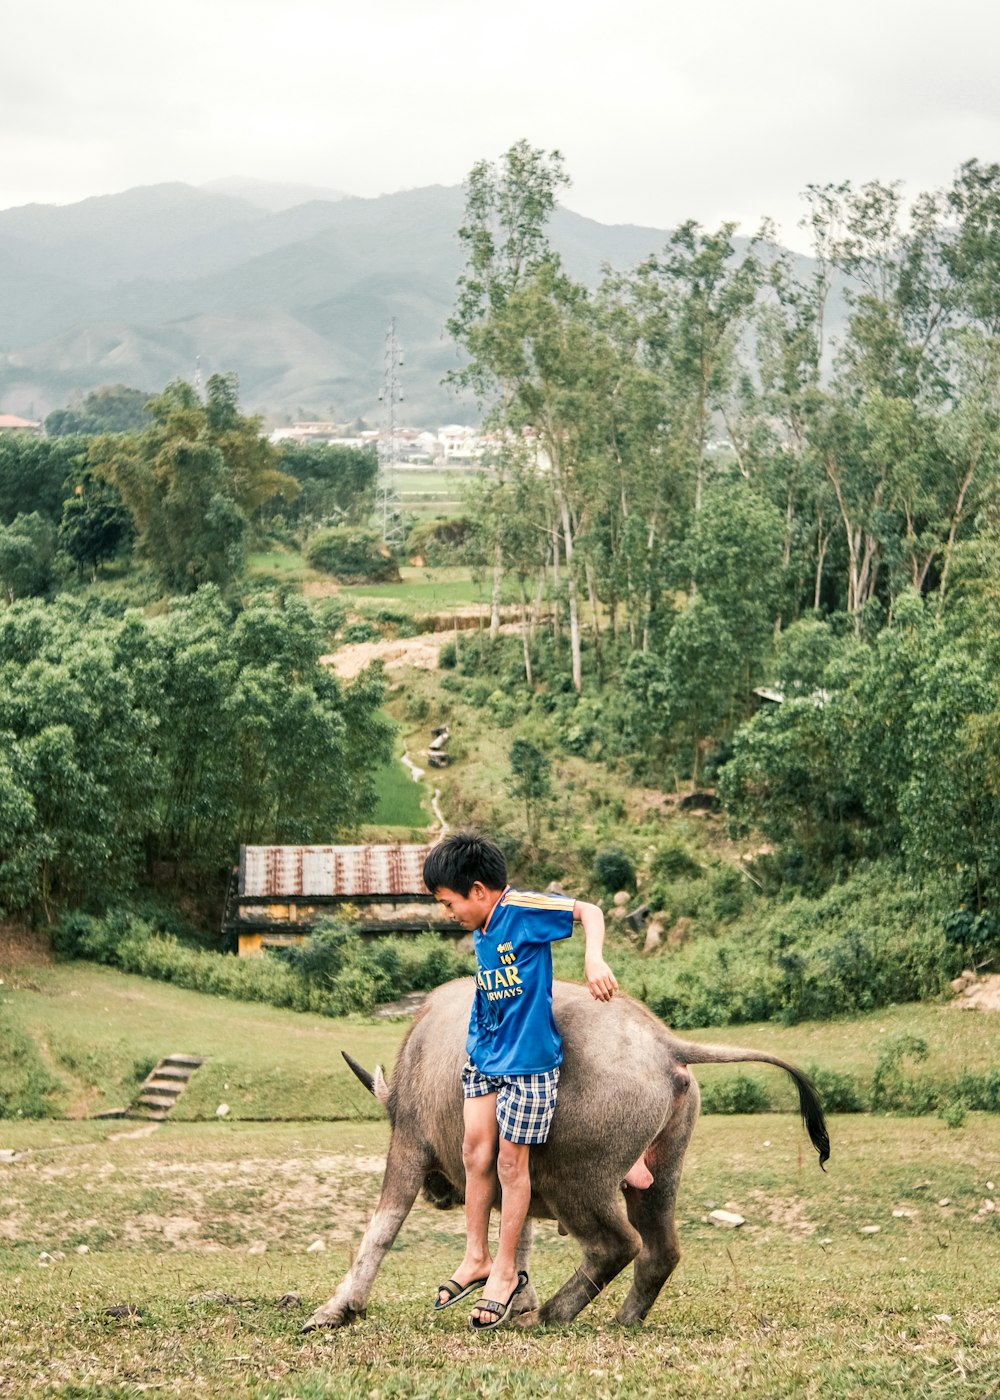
{"x":34,"y":474}
{"x":114,"y":408}
{"x":128,"y":740}
{"x":193,"y":482}
{"x":353,"y":554}
{"x":336,"y":972}
{"x":722,"y":510}
{"x":337,"y":484}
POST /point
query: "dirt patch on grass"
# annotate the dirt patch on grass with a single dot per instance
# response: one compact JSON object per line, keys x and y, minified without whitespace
{"x":982,"y":994}
{"x":23,"y":947}
{"x":157,"y":1202}
{"x":421,"y":652}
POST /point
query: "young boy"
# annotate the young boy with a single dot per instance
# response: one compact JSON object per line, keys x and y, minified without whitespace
{"x":514,"y":1050}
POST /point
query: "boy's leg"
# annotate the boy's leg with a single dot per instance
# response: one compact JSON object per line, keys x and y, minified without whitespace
{"x":525,"y":1107}
{"x":515,"y":1198}
{"x":479,"y":1154}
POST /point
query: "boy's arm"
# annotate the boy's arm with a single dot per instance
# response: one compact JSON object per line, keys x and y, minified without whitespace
{"x":600,"y":979}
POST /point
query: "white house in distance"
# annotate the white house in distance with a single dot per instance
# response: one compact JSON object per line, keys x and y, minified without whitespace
{"x":10,"y":423}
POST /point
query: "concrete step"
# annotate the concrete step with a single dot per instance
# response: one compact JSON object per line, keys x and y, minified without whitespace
{"x":192,"y":1061}
{"x":165,"y":1071}
{"x":163,"y":1086}
{"x":147,"y":1100}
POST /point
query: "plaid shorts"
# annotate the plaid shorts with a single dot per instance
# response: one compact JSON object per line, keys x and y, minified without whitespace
{"x":525,"y":1102}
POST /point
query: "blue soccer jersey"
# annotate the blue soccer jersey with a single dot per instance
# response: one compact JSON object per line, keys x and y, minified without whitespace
{"x":512,"y":1030}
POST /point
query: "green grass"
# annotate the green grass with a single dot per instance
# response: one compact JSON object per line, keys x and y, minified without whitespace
{"x":281,"y":566}
{"x":425,"y":591}
{"x":402,"y":802}
{"x":797,"y":1303}
{"x":94,"y":1025}
{"x":204,"y":1228}
{"x":98,"y":1030}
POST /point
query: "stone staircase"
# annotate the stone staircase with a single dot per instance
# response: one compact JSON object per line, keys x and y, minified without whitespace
{"x":160,"y":1089}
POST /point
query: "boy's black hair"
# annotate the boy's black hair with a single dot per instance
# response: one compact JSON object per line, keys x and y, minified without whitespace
{"x":457,"y":862}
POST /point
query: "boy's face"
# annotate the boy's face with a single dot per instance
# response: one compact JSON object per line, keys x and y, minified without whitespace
{"x":470,"y":910}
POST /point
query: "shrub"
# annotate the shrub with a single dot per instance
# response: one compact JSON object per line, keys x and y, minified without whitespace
{"x":673,"y":863}
{"x":736,"y":1094}
{"x":352,"y":555}
{"x":363,"y":631}
{"x":839,"y":1093}
{"x":613,"y":870}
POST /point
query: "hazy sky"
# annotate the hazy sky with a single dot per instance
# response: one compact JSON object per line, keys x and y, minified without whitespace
{"x":710,"y":109}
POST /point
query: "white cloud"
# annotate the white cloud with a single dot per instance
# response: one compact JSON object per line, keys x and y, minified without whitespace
{"x":663,"y":112}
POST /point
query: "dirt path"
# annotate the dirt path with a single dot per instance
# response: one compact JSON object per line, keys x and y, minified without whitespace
{"x":421,"y":652}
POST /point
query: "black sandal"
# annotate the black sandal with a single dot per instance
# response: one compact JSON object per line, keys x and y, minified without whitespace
{"x":500,"y":1311}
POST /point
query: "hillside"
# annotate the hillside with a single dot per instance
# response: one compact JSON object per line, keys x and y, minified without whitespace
{"x":140,"y":287}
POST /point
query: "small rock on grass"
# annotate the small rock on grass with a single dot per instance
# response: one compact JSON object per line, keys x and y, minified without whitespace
{"x":727,"y":1218}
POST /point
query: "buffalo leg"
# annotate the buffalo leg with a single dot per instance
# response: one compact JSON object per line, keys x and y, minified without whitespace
{"x":610,"y":1243}
{"x":405,"y":1169}
{"x":652,"y":1213}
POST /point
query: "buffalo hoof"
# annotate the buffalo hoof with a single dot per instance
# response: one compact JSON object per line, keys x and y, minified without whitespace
{"x":332,"y":1315}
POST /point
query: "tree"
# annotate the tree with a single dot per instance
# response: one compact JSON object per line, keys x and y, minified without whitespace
{"x":530,"y":782}
{"x":114,"y":408}
{"x":34,"y":472}
{"x":27,"y":551}
{"x":95,"y":524}
{"x":507,"y":206}
{"x":132,"y":741}
{"x":192,"y":482}
{"x":337,"y":483}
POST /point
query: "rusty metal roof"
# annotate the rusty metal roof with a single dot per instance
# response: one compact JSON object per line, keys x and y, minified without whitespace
{"x":332,"y":871}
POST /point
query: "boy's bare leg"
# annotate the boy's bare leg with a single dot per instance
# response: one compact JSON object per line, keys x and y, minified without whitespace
{"x":639,"y":1175}
{"x":479,"y":1154}
{"x":515,"y":1198}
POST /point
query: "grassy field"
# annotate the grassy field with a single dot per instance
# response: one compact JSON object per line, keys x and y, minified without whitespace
{"x":205,"y":1225}
{"x":402,"y":802}
{"x":98,"y":1031}
{"x":205,"y":1230}
{"x":424,"y":592}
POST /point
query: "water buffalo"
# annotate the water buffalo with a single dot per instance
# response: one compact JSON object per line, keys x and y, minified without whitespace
{"x":625,"y":1087}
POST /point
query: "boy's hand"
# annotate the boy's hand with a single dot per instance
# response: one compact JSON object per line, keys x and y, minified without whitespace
{"x":601,"y":981}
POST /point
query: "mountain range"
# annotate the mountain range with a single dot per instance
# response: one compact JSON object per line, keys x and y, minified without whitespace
{"x":293,"y":288}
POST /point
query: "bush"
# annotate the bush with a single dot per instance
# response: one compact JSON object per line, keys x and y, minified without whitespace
{"x":737,"y":1094}
{"x":613,"y":870}
{"x":352,"y":555}
{"x":872,"y":941}
{"x":839,"y":1093}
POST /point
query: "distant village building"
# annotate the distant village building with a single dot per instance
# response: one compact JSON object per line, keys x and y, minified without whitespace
{"x":10,"y":423}
{"x":456,"y":444}
{"x":278,"y":894}
{"x":460,"y":444}
{"x":318,"y":432}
